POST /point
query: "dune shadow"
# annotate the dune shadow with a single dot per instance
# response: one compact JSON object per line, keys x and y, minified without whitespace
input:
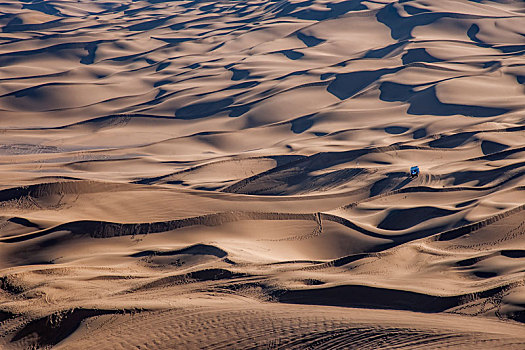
{"x":91,"y":49}
{"x":452,"y":141}
{"x":426,"y":102}
{"x":392,"y":182}
{"x":402,"y":219}
{"x":346,"y":85}
{"x":401,"y":27}
{"x":301,"y":124}
{"x":396,"y":130}
{"x":203,"y":109}
{"x":472,"y":33}
{"x":242,"y":86}
{"x":286,"y":159}
{"x":333,"y":10}
{"x":17,"y":25}
{"x":52,"y":329}
{"x":148,"y":25}
{"x":173,"y":41}
{"x":374,"y":297}
{"x":238,"y":111}
{"x":309,"y":40}
{"x":383,"y":52}
{"x":239,"y":74}
{"x":489,"y":147}
{"x":419,"y":133}
{"x":418,"y":55}
{"x":197,"y":249}
{"x":41,"y":6}
{"x":513,"y":253}
{"x":484,"y":177}
{"x":292,"y":54}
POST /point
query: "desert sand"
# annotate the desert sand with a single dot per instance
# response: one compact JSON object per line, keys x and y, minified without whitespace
{"x":235,"y":174}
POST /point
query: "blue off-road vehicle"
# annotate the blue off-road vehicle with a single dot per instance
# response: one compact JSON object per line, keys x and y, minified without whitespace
{"x":414,"y":171}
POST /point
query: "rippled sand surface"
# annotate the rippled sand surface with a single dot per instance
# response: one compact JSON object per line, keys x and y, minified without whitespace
{"x":235,"y":174}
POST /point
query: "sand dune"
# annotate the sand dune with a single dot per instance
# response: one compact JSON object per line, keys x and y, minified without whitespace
{"x":218,"y":174}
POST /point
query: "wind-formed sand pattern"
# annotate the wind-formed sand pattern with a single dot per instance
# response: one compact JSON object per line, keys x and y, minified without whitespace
{"x":235,"y":174}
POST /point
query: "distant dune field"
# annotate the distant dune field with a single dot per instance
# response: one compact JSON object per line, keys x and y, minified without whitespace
{"x":228,"y":174}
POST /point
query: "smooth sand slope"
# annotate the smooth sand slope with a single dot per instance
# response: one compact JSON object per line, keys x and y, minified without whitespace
{"x":234,"y":174}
